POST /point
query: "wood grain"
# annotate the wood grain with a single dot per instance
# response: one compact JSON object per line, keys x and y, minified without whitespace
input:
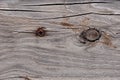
{"x":59,"y":54}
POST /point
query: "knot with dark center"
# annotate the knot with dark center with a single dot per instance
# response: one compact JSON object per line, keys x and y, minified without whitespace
{"x":40,"y":32}
{"x":90,"y":35}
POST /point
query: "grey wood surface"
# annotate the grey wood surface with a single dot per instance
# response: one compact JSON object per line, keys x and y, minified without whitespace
{"x":58,"y":55}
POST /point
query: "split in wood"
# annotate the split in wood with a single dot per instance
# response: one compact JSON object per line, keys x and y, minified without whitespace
{"x":80,"y":14}
{"x":73,"y":3}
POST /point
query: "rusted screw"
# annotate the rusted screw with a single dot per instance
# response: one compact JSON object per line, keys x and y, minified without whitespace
{"x":40,"y":32}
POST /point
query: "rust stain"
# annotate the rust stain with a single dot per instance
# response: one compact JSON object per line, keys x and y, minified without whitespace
{"x":75,"y":28}
{"x":107,"y":40}
{"x":62,"y":23}
{"x":65,"y":23}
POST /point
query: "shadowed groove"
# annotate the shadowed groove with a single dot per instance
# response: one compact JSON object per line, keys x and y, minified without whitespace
{"x":73,"y":3}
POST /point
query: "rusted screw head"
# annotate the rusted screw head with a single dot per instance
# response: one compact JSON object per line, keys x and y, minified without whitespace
{"x":91,"y":34}
{"x":40,"y":32}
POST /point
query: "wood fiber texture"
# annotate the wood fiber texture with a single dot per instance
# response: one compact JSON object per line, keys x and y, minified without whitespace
{"x":59,"y":55}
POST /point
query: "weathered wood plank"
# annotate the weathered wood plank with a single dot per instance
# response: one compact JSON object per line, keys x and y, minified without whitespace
{"x":59,"y":54}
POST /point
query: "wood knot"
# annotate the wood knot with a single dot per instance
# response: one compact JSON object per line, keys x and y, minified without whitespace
{"x":91,"y":35}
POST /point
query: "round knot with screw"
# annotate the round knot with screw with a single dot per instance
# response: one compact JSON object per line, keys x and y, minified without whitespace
{"x":40,"y":32}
